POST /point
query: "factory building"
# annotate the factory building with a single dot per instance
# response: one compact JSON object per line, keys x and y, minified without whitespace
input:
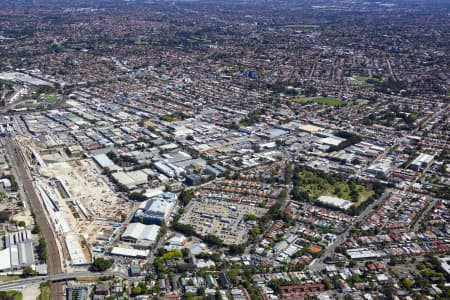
{"x":18,"y":252}
{"x":143,"y":235}
{"x":156,"y":210}
{"x":421,"y":162}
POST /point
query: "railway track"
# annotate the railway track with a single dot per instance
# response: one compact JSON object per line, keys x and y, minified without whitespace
{"x":53,"y":255}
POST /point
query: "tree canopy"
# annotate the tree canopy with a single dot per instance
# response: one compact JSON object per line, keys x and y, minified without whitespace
{"x":101,"y":264}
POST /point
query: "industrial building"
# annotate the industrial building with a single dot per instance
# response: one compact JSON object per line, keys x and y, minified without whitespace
{"x":129,"y":252}
{"x":380,"y":167}
{"x":156,"y":210}
{"x":176,"y":242}
{"x":168,"y":169}
{"x":364,"y":253}
{"x":193,"y":179}
{"x":421,"y":162}
{"x":75,"y":151}
{"x":176,"y":156}
{"x":104,"y":161}
{"x":76,"y":254}
{"x":132,"y":179}
{"x":18,"y":252}
{"x":143,"y":235}
{"x":6,"y":183}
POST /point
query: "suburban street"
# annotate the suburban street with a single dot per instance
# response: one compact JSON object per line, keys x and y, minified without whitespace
{"x":318,"y":264}
{"x":224,"y":150}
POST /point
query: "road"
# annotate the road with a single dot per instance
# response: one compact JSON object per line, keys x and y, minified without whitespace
{"x":415,"y":226}
{"x":53,"y":255}
{"x":12,"y":98}
{"x":318,"y":264}
{"x":390,"y":69}
{"x":19,"y":284}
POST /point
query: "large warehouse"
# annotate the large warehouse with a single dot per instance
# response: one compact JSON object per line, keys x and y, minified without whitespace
{"x":132,"y":179}
{"x":18,"y":252}
{"x":156,"y":210}
{"x":143,"y":235}
{"x":421,"y":161}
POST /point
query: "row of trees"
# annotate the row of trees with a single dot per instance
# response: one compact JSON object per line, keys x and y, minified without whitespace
{"x":141,"y":288}
{"x":185,"y":197}
{"x":185,"y":229}
{"x":42,"y":249}
{"x":137,"y":196}
{"x":390,"y":85}
{"x":213,"y":240}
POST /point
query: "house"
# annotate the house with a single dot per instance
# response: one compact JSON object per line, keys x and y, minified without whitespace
{"x":135,"y":269}
{"x":224,"y":282}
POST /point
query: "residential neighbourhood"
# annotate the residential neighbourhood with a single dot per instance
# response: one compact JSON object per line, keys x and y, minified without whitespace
{"x":224,"y":150}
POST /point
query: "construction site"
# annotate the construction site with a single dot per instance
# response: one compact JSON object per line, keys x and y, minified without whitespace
{"x":85,"y":212}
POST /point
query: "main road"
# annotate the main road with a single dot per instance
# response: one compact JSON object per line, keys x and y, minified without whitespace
{"x":19,"y":284}
{"x":24,"y":177}
{"x":318,"y":264}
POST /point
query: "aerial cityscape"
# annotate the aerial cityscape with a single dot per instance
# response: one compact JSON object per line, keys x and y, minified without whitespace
{"x":220,"y":150}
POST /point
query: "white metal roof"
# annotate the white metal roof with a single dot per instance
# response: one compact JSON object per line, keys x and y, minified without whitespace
{"x":140,"y":231}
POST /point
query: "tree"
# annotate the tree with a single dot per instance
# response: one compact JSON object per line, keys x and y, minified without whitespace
{"x":254,"y":232}
{"x":201,"y":291}
{"x":283,"y":194}
{"x":250,"y":217}
{"x":36,"y":229}
{"x":28,"y":272}
{"x":356,"y":278}
{"x":407,"y":283}
{"x":327,"y":283}
{"x":4,"y":216}
{"x":136,"y":290}
{"x":213,"y":240}
{"x":7,"y":295}
{"x":237,"y":249}
{"x":101,"y":264}
{"x":185,"y":229}
{"x":393,"y":261}
{"x":122,"y":187}
{"x":389,"y":291}
{"x":185,"y":197}
{"x":137,"y":196}
{"x":251,"y":118}
{"x":42,"y":249}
